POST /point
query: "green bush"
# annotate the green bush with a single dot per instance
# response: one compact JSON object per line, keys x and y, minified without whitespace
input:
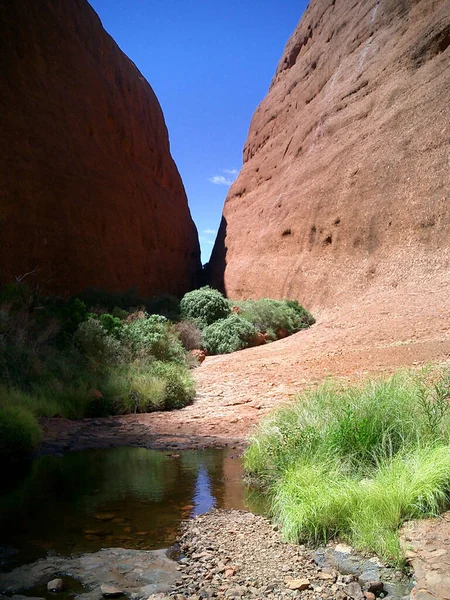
{"x":275,"y":316}
{"x":228,"y":335}
{"x":100,"y":348}
{"x":180,"y":387}
{"x":356,"y":461}
{"x":204,"y":306}
{"x":112,"y":325}
{"x":19,"y":432}
{"x":151,"y":337}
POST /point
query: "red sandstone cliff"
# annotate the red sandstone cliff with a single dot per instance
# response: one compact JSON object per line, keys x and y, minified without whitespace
{"x":89,"y":193}
{"x":346,"y":177}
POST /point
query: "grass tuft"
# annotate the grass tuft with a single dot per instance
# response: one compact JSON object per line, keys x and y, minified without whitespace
{"x":355,"y":462}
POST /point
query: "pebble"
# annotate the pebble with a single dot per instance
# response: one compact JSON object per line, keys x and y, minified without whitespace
{"x":298,"y":584}
{"x":110,"y":591}
{"x":236,"y":555}
{"x":55,"y":585}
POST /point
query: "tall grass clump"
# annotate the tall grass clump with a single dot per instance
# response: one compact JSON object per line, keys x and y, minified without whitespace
{"x":19,"y":432}
{"x":355,"y":462}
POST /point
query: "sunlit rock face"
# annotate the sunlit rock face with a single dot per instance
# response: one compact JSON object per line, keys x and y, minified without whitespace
{"x":89,"y":193}
{"x":346,"y":179}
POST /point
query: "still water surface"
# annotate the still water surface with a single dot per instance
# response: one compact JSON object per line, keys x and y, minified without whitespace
{"x":120,"y":497}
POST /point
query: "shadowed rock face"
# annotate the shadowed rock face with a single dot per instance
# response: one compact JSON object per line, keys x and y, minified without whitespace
{"x":89,"y":193}
{"x":346,"y":179}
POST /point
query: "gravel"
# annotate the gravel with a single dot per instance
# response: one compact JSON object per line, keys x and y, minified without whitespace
{"x":233,"y":554}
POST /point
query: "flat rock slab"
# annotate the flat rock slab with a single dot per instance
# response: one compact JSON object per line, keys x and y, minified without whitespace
{"x":427,"y":545}
{"x":137,"y":573}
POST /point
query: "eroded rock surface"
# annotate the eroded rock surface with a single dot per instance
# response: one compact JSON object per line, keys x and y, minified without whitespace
{"x":427,"y":547}
{"x":136,"y":573}
{"x":89,"y":193}
{"x":345,"y":183}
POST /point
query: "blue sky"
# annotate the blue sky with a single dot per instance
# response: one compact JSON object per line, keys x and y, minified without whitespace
{"x":210,"y":64}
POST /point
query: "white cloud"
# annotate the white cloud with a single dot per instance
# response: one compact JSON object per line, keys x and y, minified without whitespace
{"x":231,"y":171}
{"x":210,"y":231}
{"x":220,"y":180}
{"x":204,"y":240}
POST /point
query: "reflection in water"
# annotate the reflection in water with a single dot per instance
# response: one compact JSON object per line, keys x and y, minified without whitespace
{"x":121,"y":497}
{"x":203,"y":499}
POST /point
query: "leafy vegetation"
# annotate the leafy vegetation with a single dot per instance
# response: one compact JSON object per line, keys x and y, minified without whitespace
{"x":355,"y":462}
{"x":204,"y":306}
{"x":104,"y":353}
{"x":227,"y":326}
{"x":276,"y":317}
{"x":228,"y":335}
{"x":59,"y":358}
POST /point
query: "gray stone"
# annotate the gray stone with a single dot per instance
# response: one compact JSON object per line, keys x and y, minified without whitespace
{"x":55,"y":585}
{"x":112,"y":566}
{"x":354,"y":591}
{"x":111,"y":591}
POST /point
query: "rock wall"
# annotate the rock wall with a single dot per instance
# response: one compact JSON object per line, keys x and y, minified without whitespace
{"x":89,"y":193}
{"x":346,"y":177}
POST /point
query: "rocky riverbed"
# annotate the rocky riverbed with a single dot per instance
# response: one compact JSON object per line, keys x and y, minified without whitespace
{"x":234,"y":554}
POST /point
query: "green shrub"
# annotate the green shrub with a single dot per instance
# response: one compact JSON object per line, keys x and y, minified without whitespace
{"x":112,"y":325}
{"x":205,"y":306}
{"x":180,"y":388}
{"x":228,"y":335}
{"x":24,"y":346}
{"x":100,"y":348}
{"x":19,"y":432}
{"x":275,"y":316}
{"x":72,"y":315}
{"x":151,"y":337}
{"x":306,"y":317}
{"x":356,"y":461}
{"x":56,"y":358}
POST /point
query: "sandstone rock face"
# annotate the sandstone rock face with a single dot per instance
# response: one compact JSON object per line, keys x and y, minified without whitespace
{"x":89,"y":193}
{"x":346,"y":177}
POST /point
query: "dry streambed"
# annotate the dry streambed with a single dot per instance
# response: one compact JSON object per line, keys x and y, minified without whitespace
{"x":234,"y":554}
